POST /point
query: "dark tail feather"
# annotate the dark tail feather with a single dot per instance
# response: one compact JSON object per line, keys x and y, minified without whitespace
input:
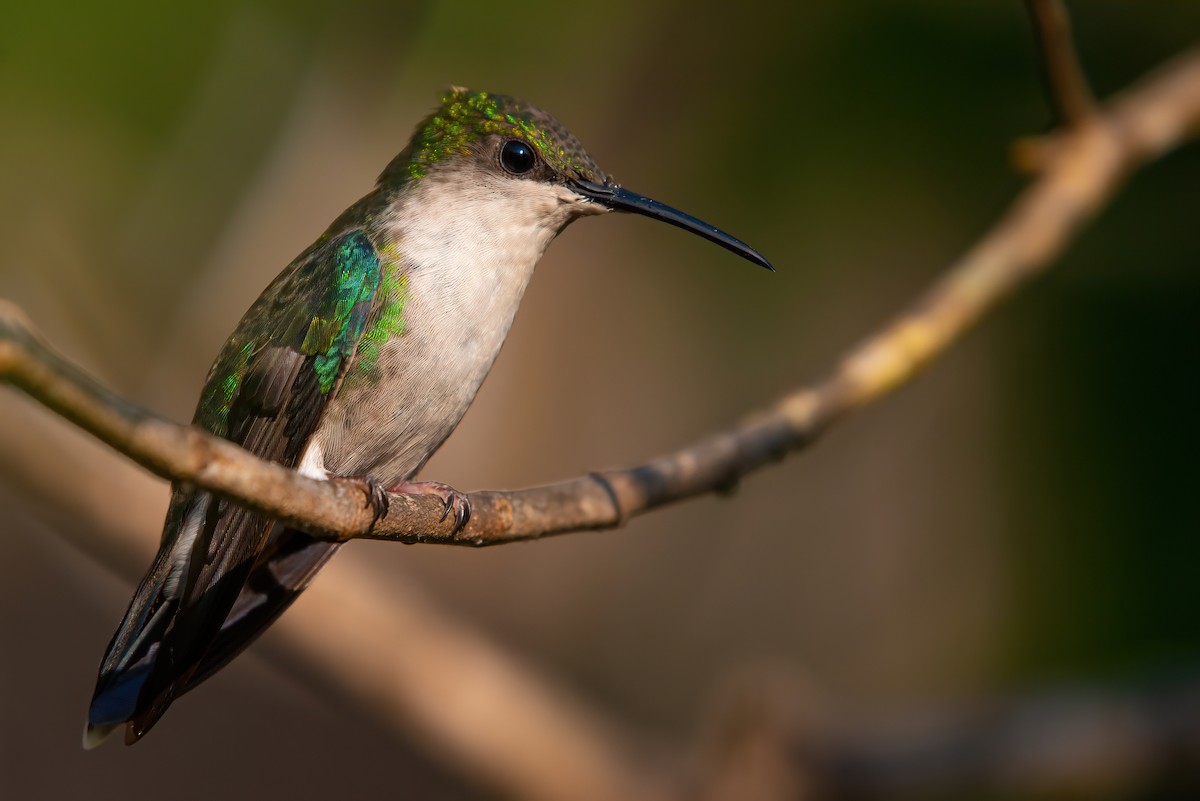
{"x":141,"y":678}
{"x":113,"y":705}
{"x":143,"y":675}
{"x":193,"y":630}
{"x":131,"y":654}
{"x":283,"y":571}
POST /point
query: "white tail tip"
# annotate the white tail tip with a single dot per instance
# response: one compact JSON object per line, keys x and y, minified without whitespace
{"x":94,"y":735}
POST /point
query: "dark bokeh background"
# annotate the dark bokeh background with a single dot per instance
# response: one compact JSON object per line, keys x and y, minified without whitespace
{"x":1022,"y":516}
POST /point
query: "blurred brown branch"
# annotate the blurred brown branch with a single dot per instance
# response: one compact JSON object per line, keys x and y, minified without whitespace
{"x":1065,"y":80}
{"x":1077,"y":176}
{"x":1064,"y":742}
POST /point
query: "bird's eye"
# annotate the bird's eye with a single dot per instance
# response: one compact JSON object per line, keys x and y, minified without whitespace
{"x":517,"y":157}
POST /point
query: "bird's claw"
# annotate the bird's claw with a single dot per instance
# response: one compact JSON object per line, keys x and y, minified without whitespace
{"x":377,"y":498}
{"x":455,"y":502}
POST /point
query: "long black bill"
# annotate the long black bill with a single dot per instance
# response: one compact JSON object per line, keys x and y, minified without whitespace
{"x":620,"y":199}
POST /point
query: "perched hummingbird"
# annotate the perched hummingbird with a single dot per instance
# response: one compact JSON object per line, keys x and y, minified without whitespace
{"x":358,"y":360}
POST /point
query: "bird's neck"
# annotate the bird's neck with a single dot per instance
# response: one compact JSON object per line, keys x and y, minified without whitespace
{"x":467,"y":252}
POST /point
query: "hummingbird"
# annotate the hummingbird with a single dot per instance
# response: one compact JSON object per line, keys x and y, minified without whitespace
{"x":358,"y":361}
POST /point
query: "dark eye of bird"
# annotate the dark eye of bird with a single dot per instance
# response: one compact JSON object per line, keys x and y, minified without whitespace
{"x":517,"y":157}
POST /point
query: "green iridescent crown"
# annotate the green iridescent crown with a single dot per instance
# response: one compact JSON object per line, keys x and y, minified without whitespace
{"x":465,"y":117}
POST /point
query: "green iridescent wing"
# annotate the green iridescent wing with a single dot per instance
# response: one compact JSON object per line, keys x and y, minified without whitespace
{"x":266,"y":391}
{"x":312,"y":315}
{"x":277,"y":373}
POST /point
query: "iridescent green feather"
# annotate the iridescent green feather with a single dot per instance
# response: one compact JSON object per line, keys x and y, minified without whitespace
{"x":389,"y":320}
{"x":336,"y":328}
{"x":319,"y":307}
{"x":466,"y":116}
{"x":224,"y":382}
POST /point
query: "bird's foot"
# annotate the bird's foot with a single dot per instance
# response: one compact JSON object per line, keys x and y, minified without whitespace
{"x":377,"y":496}
{"x":455,"y":502}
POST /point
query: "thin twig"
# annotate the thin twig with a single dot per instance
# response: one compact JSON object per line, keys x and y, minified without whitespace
{"x":1065,"y":80}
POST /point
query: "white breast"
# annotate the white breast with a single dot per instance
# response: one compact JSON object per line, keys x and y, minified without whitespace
{"x":468,"y":245}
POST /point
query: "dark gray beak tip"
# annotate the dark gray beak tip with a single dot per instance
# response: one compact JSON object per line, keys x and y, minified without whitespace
{"x":619,"y":199}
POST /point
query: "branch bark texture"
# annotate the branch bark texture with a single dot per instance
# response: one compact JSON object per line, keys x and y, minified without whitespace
{"x":1080,"y":167}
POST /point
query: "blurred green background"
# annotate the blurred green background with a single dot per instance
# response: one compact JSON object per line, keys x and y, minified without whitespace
{"x":1022,"y":516}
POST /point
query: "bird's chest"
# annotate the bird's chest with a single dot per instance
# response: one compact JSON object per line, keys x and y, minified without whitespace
{"x":457,"y":307}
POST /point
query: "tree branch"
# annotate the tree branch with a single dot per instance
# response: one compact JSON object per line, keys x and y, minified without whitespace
{"x":1078,"y":176}
{"x":1062,"y":742}
{"x":1066,"y":83}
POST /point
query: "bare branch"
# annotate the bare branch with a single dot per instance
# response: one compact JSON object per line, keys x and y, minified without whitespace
{"x":1065,"y":80}
{"x":1085,"y":167}
{"x":333,"y":509}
